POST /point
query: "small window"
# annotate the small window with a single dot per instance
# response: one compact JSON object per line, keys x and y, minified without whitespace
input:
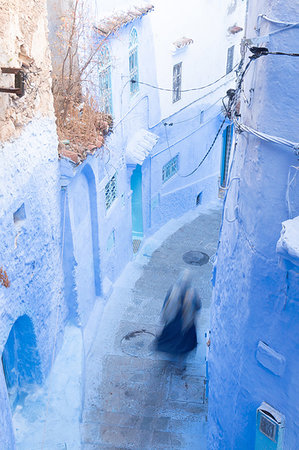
{"x":105,"y":80}
{"x":170,"y":169}
{"x":230,"y":59}
{"x":177,"y":82}
{"x":110,"y":191}
{"x":133,"y":62}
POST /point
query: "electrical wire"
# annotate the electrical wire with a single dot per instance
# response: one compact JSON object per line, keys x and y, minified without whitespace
{"x":267,"y":137}
{"x":185,"y":90}
{"x":194,"y":117}
{"x":205,"y":156}
{"x":276,"y":21}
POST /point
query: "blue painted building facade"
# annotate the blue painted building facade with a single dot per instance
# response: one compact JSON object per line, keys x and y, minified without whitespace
{"x":253,"y":358}
{"x":144,"y":174}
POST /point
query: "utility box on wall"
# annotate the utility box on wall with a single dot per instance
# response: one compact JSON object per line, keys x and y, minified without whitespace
{"x":269,"y":428}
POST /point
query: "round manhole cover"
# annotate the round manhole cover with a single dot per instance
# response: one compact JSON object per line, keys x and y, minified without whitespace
{"x":196,"y":258}
{"x":138,"y":343}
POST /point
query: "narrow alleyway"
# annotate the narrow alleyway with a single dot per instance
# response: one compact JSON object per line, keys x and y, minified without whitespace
{"x":135,"y":398}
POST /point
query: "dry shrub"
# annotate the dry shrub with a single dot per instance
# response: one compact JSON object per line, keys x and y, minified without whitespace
{"x":81,"y":127}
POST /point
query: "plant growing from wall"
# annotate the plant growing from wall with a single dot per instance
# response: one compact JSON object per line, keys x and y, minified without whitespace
{"x":81,"y":126}
{"x":4,"y":281}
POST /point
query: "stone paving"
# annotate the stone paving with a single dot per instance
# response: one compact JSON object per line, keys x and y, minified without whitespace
{"x":134,"y":397}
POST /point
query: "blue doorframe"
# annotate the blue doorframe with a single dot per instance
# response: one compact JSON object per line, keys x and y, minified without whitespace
{"x":136,"y":187}
{"x":227,"y":141}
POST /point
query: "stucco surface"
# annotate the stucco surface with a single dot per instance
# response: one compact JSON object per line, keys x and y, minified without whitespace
{"x":254,"y":299}
{"x":30,"y":248}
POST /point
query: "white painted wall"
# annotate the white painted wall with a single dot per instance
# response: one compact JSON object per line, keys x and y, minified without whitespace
{"x":206,"y":22}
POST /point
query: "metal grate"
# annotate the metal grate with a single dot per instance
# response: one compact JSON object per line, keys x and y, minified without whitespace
{"x":268,"y":428}
{"x":136,"y":245}
{"x":170,"y":168}
{"x":176,"y":82}
{"x":133,"y":62}
{"x":111,"y":191}
{"x":105,"y":80}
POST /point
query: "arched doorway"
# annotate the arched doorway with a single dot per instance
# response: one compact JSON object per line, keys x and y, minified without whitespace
{"x":20,"y":360}
{"x":84,"y":262}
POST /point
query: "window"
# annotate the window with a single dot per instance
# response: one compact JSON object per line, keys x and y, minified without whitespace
{"x":170,"y":168}
{"x":230,"y":59}
{"x":133,"y":62}
{"x":227,"y":142}
{"x":110,"y":191}
{"x":105,"y":80}
{"x":176,"y":82}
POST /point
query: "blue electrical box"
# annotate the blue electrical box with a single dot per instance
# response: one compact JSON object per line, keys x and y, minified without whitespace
{"x":269,"y":428}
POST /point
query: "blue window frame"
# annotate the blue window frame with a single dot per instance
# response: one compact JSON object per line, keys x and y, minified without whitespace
{"x":170,"y":169}
{"x":105,"y":80}
{"x":133,"y":62}
{"x":110,"y":191}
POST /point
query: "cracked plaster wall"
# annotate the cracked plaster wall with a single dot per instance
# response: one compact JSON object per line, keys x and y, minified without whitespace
{"x":24,"y":40}
{"x":30,"y":249}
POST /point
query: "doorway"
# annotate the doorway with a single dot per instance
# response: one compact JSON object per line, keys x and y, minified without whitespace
{"x":137,"y":215}
{"x":20,"y":360}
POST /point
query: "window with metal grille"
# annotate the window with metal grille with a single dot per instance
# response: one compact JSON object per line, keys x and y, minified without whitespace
{"x":230,"y":59}
{"x":177,"y":82}
{"x":133,"y":62}
{"x":105,"y":80}
{"x":111,"y":191}
{"x":169,"y":169}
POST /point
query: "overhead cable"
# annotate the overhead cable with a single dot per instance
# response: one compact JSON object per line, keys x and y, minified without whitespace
{"x":184,"y":90}
{"x":267,"y":137}
{"x":276,"y":21}
{"x":205,"y":156}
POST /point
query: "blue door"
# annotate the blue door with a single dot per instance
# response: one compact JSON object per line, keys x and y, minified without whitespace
{"x":136,"y":187}
{"x":227,"y":141}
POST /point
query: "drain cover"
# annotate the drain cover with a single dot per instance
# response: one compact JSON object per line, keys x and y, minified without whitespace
{"x":196,"y":258}
{"x":138,"y":343}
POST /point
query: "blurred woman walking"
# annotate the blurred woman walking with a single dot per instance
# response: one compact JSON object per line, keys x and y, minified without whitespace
{"x":181,"y":303}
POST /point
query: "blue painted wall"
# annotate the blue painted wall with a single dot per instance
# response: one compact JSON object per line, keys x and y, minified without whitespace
{"x":193,"y":130}
{"x":254,"y":340}
{"x":190,"y":140}
{"x":30,"y":253}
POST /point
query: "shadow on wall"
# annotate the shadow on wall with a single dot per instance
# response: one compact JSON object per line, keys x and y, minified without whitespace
{"x":21,"y":361}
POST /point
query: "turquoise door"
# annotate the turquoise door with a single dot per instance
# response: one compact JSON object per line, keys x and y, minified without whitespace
{"x":227,"y":141}
{"x":136,"y":187}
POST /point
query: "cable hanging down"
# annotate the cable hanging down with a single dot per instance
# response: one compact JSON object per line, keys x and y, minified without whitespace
{"x":205,"y":156}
